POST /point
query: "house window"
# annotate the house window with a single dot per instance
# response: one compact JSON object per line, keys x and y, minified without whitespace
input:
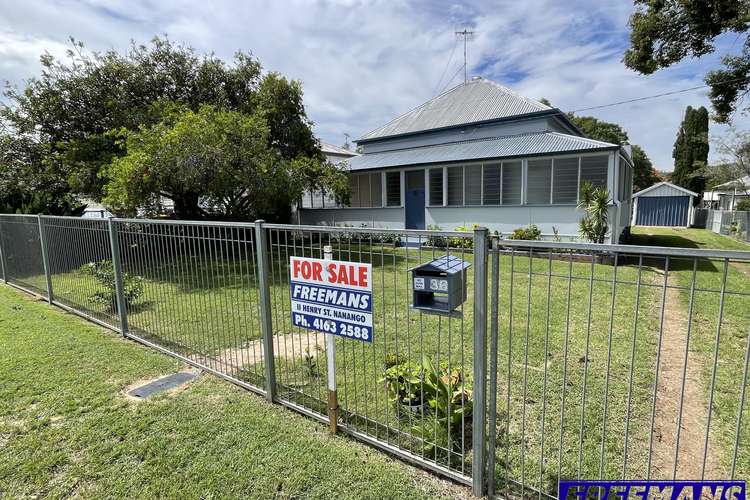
{"x":317,"y":199}
{"x":376,"y":190}
{"x":473,"y":185}
{"x":455,"y":186}
{"x":594,"y":169}
{"x":565,"y":180}
{"x":353,"y":190}
{"x":436,"y":187}
{"x":393,"y":189}
{"x":511,"y":183}
{"x":491,"y":184}
{"x":366,"y":190}
{"x":539,"y":182}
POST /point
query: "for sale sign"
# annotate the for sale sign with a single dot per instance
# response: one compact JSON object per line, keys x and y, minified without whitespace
{"x":332,"y":296}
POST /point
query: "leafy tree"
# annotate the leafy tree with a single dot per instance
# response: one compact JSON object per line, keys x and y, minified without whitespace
{"x":212,"y":163}
{"x":664,"y":32}
{"x":27,"y":184}
{"x":734,"y":149}
{"x":691,"y":150}
{"x":644,"y":174}
{"x":81,"y":108}
{"x":600,"y":130}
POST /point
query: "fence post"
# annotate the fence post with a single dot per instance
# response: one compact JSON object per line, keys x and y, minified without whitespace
{"x":2,"y":255}
{"x":122,"y":311}
{"x":265,"y":309}
{"x":45,"y":260}
{"x":479,"y":443}
{"x":492,"y":408}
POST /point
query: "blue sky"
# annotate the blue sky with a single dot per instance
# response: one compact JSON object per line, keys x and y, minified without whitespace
{"x":364,"y":62}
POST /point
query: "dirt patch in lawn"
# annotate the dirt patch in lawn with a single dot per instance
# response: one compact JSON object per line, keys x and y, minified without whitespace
{"x":290,"y":346}
{"x":695,"y":404}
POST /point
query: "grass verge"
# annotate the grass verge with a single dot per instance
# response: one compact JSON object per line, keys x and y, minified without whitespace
{"x":67,"y":430}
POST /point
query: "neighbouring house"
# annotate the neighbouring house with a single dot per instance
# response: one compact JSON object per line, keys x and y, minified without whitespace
{"x":663,"y":204}
{"x":318,"y":199}
{"x":726,"y":196}
{"x":479,"y":154}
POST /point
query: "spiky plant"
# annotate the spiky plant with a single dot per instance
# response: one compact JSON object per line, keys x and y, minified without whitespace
{"x":594,"y":201}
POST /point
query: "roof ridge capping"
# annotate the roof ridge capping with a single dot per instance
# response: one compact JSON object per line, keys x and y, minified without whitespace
{"x":461,"y":105}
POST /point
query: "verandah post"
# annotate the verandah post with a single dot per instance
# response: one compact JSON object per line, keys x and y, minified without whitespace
{"x":266,"y":329}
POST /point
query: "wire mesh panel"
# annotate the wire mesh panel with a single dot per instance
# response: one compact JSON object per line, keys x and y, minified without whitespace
{"x":79,"y":257}
{"x":192,"y":290}
{"x":410,"y":389}
{"x":22,"y":252}
{"x":616,"y":364}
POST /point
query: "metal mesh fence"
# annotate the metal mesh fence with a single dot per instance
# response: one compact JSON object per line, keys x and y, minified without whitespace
{"x":22,"y":253}
{"x":198,"y":293}
{"x":80,"y":266}
{"x":409,"y":352}
{"x":615,"y":364}
{"x":597,"y":361}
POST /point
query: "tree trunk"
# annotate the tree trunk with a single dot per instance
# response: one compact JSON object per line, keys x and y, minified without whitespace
{"x":186,"y":207}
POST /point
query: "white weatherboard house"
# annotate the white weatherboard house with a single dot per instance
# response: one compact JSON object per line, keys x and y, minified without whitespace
{"x":478,"y":154}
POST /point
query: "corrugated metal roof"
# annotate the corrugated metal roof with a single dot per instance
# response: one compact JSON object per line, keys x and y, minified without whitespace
{"x":476,"y":101}
{"x":668,"y":188}
{"x":335,"y":150}
{"x":496,"y":147}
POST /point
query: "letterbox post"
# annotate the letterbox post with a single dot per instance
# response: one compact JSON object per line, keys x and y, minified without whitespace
{"x":333,"y":403}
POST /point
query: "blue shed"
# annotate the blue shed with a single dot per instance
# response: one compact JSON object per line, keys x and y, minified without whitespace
{"x":663,"y":204}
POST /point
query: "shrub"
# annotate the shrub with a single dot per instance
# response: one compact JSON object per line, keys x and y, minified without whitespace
{"x":436,"y":241}
{"x":461,"y":242}
{"x":104,"y":273}
{"x":526,"y":233}
{"x":446,"y":397}
{"x":743,"y":205}
{"x":594,"y":201}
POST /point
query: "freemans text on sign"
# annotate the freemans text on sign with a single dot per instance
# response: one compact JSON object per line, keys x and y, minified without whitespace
{"x":332,"y":296}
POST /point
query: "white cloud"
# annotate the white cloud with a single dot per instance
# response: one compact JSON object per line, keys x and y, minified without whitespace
{"x":363,"y":62}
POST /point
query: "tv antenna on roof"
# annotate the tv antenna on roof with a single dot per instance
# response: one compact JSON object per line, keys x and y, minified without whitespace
{"x":465,"y":35}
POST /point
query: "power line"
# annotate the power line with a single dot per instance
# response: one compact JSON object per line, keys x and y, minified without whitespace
{"x":451,"y":80}
{"x":445,"y":70}
{"x":654,"y":96}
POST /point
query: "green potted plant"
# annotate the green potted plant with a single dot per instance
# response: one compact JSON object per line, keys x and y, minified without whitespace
{"x":403,"y":381}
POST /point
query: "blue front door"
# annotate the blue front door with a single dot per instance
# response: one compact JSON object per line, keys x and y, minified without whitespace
{"x":414,"y":199}
{"x":415,"y":208}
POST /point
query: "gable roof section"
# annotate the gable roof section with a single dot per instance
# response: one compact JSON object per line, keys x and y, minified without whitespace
{"x":336,"y":150}
{"x":540,"y":143}
{"x":664,"y":183}
{"x":479,"y":100}
{"x":741,"y":183}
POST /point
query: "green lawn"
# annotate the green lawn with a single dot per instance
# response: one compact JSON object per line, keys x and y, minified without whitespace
{"x":201,"y":307}
{"x":206,"y":307}
{"x":67,"y":430}
{"x":734,"y":328}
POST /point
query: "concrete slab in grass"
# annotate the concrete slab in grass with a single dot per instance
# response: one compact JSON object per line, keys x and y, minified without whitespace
{"x":163,"y":384}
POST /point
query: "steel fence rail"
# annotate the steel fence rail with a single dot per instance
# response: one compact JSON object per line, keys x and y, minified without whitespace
{"x":562,"y":360}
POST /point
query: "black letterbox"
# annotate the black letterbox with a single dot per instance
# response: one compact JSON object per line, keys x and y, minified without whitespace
{"x":439,"y":286}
